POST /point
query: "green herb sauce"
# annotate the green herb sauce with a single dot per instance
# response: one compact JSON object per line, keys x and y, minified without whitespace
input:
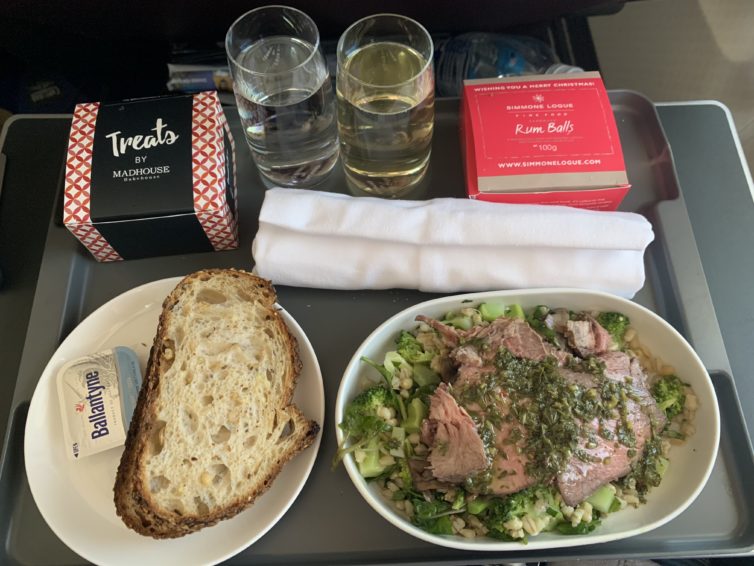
{"x":553,"y":413}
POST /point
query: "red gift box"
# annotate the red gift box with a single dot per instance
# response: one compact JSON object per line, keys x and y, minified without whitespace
{"x":544,"y":139}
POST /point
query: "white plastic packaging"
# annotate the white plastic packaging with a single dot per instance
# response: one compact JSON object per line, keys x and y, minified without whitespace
{"x":97,"y":395}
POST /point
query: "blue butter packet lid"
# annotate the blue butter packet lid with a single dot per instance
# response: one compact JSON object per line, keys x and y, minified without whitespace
{"x":129,"y":381}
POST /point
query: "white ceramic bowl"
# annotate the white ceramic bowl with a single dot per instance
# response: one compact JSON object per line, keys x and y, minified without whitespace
{"x":690,"y":464}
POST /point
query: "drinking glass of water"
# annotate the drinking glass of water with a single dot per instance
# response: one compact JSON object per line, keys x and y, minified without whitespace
{"x":284,"y":95}
{"x":385,"y":91}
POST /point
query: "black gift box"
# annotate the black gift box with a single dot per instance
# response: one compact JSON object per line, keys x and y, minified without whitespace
{"x":151,"y":177}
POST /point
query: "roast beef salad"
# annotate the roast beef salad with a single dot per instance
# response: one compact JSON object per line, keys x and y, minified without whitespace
{"x":503,"y":423}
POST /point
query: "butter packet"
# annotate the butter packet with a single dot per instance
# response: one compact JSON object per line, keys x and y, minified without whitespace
{"x":97,"y":395}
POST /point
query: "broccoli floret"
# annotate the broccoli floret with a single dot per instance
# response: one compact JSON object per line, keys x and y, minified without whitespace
{"x":393,"y":363}
{"x":616,"y":324}
{"x":404,"y":473}
{"x":670,"y":394}
{"x":532,"y":501}
{"x":361,"y":424}
{"x":360,"y":413}
{"x":433,"y":516}
{"x":536,"y":502}
{"x":396,"y":365}
{"x":540,"y":504}
{"x":411,"y":349}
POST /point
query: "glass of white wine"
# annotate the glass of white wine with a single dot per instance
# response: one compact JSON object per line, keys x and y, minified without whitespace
{"x":385,"y":90}
{"x":284,"y":95}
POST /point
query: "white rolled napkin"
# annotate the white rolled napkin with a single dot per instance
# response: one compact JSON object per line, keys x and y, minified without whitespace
{"x":336,"y":241}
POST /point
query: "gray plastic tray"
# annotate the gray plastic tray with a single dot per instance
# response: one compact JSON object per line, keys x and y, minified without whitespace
{"x":330,"y":523}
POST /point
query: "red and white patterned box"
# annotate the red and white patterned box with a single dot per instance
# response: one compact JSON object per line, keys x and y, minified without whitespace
{"x":151,"y":177}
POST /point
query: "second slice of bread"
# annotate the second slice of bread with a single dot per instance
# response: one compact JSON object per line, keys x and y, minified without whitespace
{"x":214,"y":423}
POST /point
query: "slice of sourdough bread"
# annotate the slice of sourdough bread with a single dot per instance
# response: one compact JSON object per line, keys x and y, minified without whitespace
{"x":214,"y":423}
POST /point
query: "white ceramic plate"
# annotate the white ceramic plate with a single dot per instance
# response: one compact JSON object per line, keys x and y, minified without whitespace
{"x":690,"y":464}
{"x":76,"y":498}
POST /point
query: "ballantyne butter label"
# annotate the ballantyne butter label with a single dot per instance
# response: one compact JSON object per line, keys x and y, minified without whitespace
{"x":97,"y":395}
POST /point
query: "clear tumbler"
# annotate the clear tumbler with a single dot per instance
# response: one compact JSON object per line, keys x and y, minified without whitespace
{"x":385,"y":89}
{"x":284,"y":95}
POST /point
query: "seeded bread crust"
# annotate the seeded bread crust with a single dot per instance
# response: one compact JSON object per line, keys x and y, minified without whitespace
{"x":137,"y":498}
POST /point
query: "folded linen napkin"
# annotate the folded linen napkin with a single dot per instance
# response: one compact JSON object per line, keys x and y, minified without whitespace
{"x":336,"y":241}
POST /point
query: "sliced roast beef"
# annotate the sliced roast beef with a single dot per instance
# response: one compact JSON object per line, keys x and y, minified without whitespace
{"x":428,"y":430}
{"x":473,"y":352}
{"x":593,"y":467}
{"x":471,"y":365}
{"x":587,"y":337}
{"x":467,"y":354}
{"x":602,"y":338}
{"x":509,"y":467}
{"x":524,"y":342}
{"x":509,"y":475}
{"x":609,"y":460}
{"x":491,"y":336}
{"x":641,"y":389}
{"x":475,"y":359}
{"x":470,"y":374}
{"x":581,"y":379}
{"x":580,"y":336}
{"x":599,"y":460}
{"x":514,"y":335}
{"x":619,"y":366}
{"x":457,"y":451}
